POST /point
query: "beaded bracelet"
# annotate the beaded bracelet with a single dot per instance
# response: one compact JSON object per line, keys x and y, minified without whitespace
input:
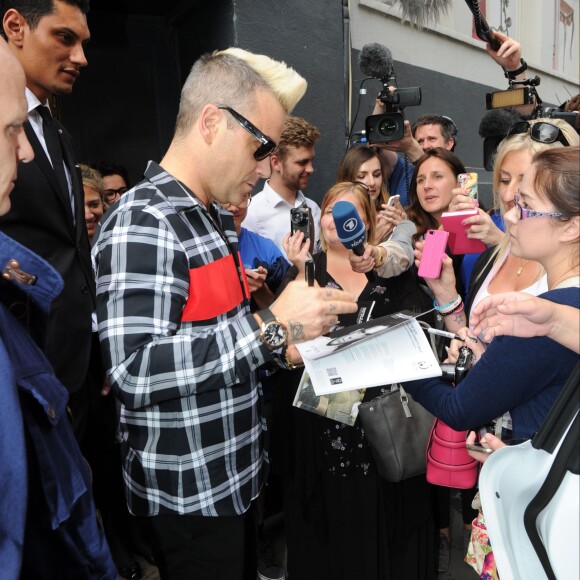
{"x":454,"y":311}
{"x":453,"y":304}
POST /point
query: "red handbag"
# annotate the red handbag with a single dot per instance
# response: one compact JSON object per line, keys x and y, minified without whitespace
{"x":448,"y":463}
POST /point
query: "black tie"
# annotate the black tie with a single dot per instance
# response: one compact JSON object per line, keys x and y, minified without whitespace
{"x":52,"y":140}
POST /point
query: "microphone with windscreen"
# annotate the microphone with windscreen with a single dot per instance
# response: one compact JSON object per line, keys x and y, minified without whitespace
{"x":350,"y":228}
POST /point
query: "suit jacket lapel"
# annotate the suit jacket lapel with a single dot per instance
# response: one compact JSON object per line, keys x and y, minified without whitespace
{"x":76,"y":184}
{"x":45,"y":166}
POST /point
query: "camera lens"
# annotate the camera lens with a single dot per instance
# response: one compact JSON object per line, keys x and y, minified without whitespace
{"x":387,"y":127}
{"x":297,"y":217}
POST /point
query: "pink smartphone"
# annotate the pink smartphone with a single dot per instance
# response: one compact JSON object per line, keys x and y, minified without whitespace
{"x":459,"y":243}
{"x":433,"y":250}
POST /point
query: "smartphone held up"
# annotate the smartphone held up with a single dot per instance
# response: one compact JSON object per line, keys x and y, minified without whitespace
{"x":433,"y":251}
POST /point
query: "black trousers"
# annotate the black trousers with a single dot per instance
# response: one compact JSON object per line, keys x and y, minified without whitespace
{"x":197,"y":547}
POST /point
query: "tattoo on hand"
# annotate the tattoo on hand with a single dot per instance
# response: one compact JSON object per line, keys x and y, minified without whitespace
{"x":296,"y":331}
{"x":332,"y":308}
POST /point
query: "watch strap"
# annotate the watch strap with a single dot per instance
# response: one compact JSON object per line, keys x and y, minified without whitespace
{"x":266,"y":316}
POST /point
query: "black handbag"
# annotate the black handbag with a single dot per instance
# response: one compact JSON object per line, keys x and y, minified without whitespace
{"x":397,"y":430}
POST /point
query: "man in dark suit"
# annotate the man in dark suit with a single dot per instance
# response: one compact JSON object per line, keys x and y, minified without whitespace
{"x":47,"y":215}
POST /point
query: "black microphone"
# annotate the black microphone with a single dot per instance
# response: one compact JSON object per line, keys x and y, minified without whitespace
{"x":351,"y":230}
{"x":497,"y":122}
{"x":494,"y":126}
{"x":375,"y":60}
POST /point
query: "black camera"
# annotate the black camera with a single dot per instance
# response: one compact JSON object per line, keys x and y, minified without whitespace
{"x":455,"y":373}
{"x":524,"y":92}
{"x":390,"y":126}
{"x":301,"y":221}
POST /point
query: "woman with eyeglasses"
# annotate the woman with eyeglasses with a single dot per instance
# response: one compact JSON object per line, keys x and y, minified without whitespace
{"x":497,"y":270}
{"x":524,"y":375}
{"x":342,"y":520}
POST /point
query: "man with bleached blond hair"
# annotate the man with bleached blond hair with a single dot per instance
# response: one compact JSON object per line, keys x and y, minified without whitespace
{"x":181,"y":347}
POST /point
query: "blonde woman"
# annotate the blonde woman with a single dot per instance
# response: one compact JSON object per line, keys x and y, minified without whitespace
{"x":93,"y":186}
{"x":335,"y":496}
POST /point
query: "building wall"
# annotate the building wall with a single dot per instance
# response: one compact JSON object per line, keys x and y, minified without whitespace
{"x":453,"y":69}
{"x":125,"y":102}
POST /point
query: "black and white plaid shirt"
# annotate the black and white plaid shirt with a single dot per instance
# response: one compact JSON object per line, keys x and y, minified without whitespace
{"x":181,"y":347}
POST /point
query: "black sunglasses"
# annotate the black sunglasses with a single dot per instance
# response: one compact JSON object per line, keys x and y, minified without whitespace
{"x":542,"y":132}
{"x":267,"y":145}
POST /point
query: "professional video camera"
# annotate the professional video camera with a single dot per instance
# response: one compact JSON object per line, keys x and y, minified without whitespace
{"x":524,"y":92}
{"x":376,"y":61}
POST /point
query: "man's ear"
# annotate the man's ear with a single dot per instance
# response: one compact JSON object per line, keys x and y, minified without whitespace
{"x":208,"y":122}
{"x":14,"y":26}
{"x":450,"y":144}
{"x":275,"y":163}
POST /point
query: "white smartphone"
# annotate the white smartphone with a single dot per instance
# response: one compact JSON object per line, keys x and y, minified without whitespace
{"x":392,"y":200}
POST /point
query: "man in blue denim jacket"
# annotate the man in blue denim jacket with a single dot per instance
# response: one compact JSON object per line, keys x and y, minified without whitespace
{"x":48,"y":523}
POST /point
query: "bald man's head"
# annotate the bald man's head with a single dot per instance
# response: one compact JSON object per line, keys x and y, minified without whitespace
{"x":14,"y":145}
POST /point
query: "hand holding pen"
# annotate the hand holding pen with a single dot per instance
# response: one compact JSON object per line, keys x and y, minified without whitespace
{"x":463,"y":337}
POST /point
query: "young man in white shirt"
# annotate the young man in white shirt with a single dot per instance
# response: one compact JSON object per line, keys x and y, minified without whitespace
{"x":292,"y":166}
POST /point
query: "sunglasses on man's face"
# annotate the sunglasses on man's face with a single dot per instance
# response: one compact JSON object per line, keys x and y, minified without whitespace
{"x":267,"y":145}
{"x":543,"y":132}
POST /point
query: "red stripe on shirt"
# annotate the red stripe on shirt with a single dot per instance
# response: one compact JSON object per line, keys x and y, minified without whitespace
{"x":214,"y":289}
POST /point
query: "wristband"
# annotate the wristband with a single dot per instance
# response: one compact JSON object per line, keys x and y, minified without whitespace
{"x":453,"y":304}
{"x":457,"y":310}
{"x":512,"y":74}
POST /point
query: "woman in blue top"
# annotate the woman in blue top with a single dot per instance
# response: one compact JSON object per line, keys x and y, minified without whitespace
{"x":524,"y":375}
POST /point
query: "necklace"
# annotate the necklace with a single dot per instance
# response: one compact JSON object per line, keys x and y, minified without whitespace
{"x":521,"y":268}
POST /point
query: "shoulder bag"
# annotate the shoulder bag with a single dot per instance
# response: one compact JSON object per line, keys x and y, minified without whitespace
{"x":397,"y":429}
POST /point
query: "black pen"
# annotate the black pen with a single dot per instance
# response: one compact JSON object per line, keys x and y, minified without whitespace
{"x":310,"y":271}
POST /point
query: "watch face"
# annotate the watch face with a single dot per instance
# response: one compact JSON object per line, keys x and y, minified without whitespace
{"x":274,"y":335}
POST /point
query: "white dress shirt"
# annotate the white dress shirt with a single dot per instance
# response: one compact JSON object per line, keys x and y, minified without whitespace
{"x":269,"y":216}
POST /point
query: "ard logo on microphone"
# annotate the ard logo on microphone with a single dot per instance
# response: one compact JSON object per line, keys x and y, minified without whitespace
{"x":351,"y":224}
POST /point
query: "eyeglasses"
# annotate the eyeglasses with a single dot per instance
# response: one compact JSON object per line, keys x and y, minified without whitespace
{"x":542,"y":132}
{"x":111,"y":194}
{"x":267,"y":145}
{"x":524,"y":213}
